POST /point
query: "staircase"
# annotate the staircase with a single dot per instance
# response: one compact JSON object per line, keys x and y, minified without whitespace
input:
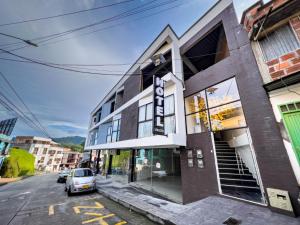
{"x":235,"y":177}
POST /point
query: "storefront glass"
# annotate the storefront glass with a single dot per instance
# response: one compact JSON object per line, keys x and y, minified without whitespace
{"x":158,"y":170}
{"x":118,"y":168}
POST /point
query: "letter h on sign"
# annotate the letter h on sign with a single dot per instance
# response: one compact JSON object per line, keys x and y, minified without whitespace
{"x":158,"y":106}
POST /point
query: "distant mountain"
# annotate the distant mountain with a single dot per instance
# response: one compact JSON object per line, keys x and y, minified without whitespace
{"x":71,"y":140}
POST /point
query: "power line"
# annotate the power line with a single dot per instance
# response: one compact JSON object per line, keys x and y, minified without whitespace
{"x":5,"y":105}
{"x":44,"y":42}
{"x":10,"y":105}
{"x":22,"y":101}
{"x":133,"y":11}
{"x":23,"y":40}
{"x":65,"y":14}
{"x":68,"y":67}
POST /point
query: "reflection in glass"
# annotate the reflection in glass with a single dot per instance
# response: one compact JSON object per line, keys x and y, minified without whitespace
{"x":170,"y":125}
{"x":143,"y":166}
{"x":145,"y":129}
{"x":159,"y":170}
{"x":222,"y":93}
{"x":142,"y":113}
{"x":149,"y":112}
{"x":197,"y":122}
{"x":120,"y":166}
{"x":227,"y":116}
{"x":169,"y":105}
{"x":195,"y":103}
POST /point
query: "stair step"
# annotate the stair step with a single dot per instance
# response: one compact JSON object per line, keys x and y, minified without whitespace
{"x":231,"y":165}
{"x":236,"y":176}
{"x":240,"y":186}
{"x":234,"y":170}
{"x":224,"y":152}
{"x":243,"y":182}
{"x":226,"y":157}
{"x":226,"y":149}
{"x":227,"y":161}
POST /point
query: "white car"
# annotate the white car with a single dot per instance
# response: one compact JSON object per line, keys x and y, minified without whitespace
{"x":80,"y":180}
{"x":62,"y":176}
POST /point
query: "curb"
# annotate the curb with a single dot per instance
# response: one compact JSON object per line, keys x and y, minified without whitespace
{"x":130,"y":206}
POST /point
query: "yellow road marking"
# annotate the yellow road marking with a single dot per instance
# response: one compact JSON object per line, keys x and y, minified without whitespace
{"x":121,"y":223}
{"x":51,"y":210}
{"x":98,"y":206}
{"x":98,"y":218}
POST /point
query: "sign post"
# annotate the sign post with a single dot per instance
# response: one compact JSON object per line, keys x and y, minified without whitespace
{"x":158,"y":106}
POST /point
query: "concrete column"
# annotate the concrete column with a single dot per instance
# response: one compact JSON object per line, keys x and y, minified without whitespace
{"x":177,"y":67}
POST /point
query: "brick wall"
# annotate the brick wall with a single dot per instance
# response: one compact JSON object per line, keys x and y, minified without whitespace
{"x":258,"y":11}
{"x":289,"y":63}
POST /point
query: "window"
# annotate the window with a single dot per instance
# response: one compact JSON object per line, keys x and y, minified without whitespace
{"x":145,"y":121}
{"x":113,"y":131}
{"x":49,"y":162}
{"x":109,"y":134}
{"x":35,"y":151}
{"x":278,"y":43}
{"x":116,"y":130}
{"x":146,"y":113}
{"x":83,"y":173}
{"x":169,"y":114}
{"x":216,"y":108}
{"x":45,"y":151}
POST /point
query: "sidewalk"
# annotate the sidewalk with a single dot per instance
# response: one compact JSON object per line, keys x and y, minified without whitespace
{"x":8,"y":180}
{"x":213,"y":210}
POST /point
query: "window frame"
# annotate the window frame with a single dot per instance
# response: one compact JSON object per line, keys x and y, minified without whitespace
{"x":151,"y":120}
{"x":109,"y":135}
{"x":277,"y":57}
{"x":207,"y":109}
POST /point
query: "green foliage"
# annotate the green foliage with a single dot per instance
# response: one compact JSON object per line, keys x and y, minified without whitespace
{"x":77,"y":140}
{"x":19,"y":163}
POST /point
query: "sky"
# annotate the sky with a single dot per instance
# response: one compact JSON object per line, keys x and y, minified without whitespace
{"x":63,"y":100}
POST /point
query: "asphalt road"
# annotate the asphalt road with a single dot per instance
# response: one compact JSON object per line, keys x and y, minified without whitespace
{"x":40,"y":200}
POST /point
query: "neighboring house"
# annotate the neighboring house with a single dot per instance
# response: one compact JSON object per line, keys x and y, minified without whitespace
{"x":70,"y":159}
{"x":48,"y":154}
{"x":221,"y":136}
{"x":274,"y":31}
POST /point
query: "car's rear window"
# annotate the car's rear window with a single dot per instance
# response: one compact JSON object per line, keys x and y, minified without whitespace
{"x":83,"y":173}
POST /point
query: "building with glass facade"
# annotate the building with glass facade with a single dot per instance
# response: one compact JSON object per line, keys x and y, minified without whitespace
{"x":221,"y":137}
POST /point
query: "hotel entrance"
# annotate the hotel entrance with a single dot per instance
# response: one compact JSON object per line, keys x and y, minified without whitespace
{"x":237,"y":168}
{"x":158,"y":170}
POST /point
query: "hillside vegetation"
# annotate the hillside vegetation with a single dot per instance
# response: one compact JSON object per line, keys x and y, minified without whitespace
{"x":19,"y":163}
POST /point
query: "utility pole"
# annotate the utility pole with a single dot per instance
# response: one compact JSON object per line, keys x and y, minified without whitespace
{"x":98,"y":159}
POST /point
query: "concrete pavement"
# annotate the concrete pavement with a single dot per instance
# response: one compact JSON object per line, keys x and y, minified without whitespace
{"x":213,"y":210}
{"x":39,"y":200}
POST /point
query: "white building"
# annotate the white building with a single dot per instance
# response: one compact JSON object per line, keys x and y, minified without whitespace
{"x":48,"y":154}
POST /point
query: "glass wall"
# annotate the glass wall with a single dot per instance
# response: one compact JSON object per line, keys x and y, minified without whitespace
{"x":215,"y":108}
{"x":145,"y":118}
{"x":158,"y":170}
{"x":119,"y":166}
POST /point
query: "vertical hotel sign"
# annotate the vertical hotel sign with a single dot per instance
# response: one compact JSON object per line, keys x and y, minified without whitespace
{"x":158,"y":106}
